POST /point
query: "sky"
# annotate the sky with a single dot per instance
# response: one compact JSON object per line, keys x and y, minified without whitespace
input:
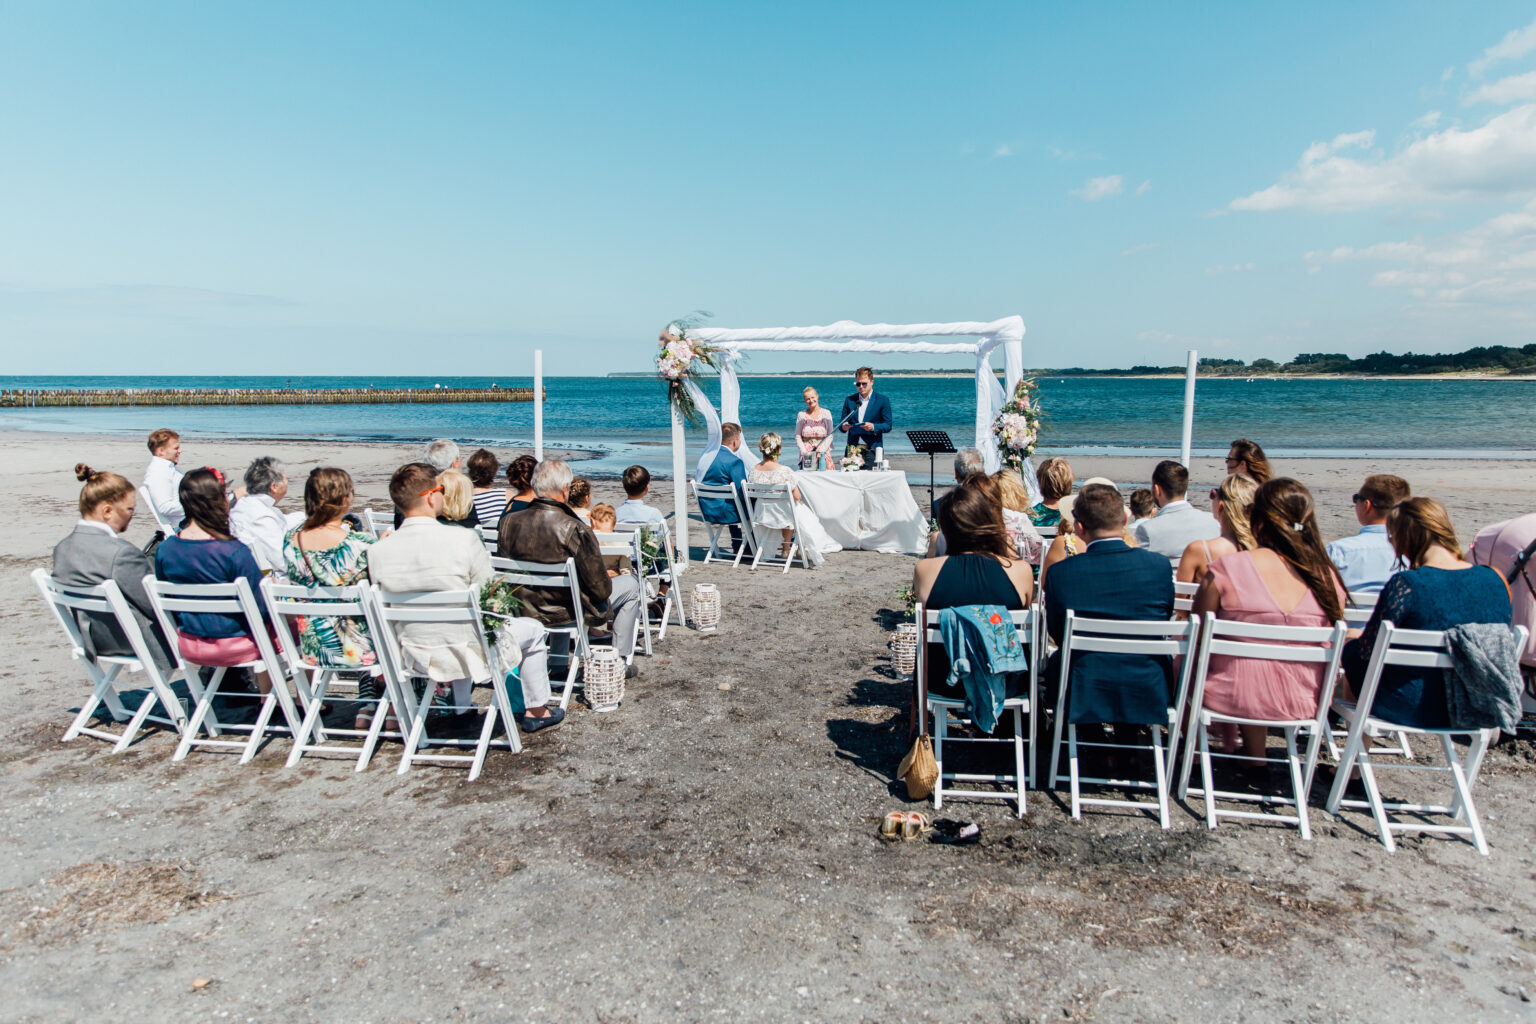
{"x":297,"y":188}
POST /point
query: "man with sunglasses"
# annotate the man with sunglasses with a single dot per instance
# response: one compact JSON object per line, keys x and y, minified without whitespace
{"x":866,"y":416}
{"x":1366,"y":561}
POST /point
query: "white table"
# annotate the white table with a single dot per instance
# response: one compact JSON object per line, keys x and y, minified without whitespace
{"x":867,"y":510}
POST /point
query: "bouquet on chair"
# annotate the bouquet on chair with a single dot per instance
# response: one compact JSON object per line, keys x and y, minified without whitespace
{"x":498,"y":602}
{"x":1017,"y":427}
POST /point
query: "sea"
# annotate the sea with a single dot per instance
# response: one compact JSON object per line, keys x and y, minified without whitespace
{"x":624,"y":420}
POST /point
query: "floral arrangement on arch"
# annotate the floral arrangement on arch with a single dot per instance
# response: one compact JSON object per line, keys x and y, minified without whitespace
{"x":1017,"y":427}
{"x":681,"y":359}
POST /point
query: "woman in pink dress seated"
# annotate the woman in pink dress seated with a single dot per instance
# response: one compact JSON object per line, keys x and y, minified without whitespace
{"x":813,"y":433}
{"x":1286,"y":580}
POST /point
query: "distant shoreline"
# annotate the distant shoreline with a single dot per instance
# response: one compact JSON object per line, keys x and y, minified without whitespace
{"x":1044,"y":375}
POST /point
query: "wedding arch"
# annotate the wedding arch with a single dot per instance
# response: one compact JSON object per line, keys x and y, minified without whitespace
{"x":846,"y":336}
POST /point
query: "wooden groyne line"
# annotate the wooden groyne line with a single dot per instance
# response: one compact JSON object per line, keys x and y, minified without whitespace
{"x":104,"y":397}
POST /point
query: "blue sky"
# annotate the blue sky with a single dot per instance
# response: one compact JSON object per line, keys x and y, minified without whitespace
{"x":289,"y":188}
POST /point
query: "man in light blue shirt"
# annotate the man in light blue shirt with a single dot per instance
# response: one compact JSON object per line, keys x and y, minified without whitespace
{"x":1366,"y":561}
{"x":635,"y":512}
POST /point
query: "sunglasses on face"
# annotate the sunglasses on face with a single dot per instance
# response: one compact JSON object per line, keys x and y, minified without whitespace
{"x":435,"y":490}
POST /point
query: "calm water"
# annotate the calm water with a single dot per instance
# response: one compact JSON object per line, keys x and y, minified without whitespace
{"x":627,"y":419}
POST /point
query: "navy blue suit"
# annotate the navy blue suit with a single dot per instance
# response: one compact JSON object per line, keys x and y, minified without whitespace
{"x":878,"y":414}
{"x":726,"y":470}
{"x":1111,"y":580}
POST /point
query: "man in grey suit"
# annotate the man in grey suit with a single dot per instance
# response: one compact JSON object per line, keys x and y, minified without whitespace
{"x":1177,"y":523}
{"x":95,"y":553}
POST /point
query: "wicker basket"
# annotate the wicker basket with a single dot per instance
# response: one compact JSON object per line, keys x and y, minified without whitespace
{"x":904,"y":648}
{"x":706,"y":607}
{"x":602,"y":678}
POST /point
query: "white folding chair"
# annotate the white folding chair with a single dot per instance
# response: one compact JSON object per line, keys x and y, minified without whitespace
{"x":106,"y":601}
{"x":1143,"y":638}
{"x":1357,"y":613}
{"x":1426,"y":650}
{"x":554,"y":576}
{"x":391,"y":612}
{"x":161,"y":524}
{"x":627,"y":545}
{"x":1022,"y":708}
{"x":289,"y":605}
{"x":724,"y":492}
{"x":664,"y":568}
{"x":780,"y":495}
{"x":1184,"y":597}
{"x":235,"y":599}
{"x":378,"y":523}
{"x":1316,"y":645}
{"x":490,"y":536}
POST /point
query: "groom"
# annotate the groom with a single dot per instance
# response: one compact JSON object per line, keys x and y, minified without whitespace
{"x":866,"y":416}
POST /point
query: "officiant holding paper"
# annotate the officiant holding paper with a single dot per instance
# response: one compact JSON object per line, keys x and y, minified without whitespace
{"x":866,"y":416}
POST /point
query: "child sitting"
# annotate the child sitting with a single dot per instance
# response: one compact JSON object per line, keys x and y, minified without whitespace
{"x":635,"y":512}
{"x":603,"y":522}
{"x":580,"y":499}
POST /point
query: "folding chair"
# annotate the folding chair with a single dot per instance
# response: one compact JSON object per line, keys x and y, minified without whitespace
{"x":773,"y":494}
{"x":627,"y":545}
{"x":391,"y":611}
{"x":1317,"y":645}
{"x":1027,"y":623}
{"x":1184,"y":597}
{"x":379,"y":524}
{"x":1423,"y":649}
{"x":724,"y":492}
{"x":161,"y":524}
{"x":490,"y":535}
{"x":554,"y":575}
{"x":1357,"y":613}
{"x":106,"y":670}
{"x":1116,"y":636}
{"x":289,"y":604}
{"x":665,"y":568}
{"x":170,"y":599}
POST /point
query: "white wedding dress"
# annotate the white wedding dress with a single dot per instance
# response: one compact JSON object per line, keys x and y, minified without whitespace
{"x":769,"y":517}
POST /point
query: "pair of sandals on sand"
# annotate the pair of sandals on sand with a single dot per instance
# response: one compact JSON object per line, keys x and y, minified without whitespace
{"x":909,"y":825}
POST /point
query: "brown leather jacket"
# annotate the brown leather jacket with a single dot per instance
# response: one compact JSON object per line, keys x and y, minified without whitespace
{"x":548,"y":531}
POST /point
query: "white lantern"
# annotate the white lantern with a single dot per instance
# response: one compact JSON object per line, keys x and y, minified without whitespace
{"x":603,"y":679}
{"x":904,"y":649}
{"x":706,"y":607}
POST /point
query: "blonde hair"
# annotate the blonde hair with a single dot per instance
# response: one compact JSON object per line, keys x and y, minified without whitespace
{"x":604,"y":511}
{"x":1236,"y":494}
{"x":810,"y":391}
{"x":458,"y":494}
{"x":100,"y":487}
{"x":1418,"y":524}
{"x":1015,"y":497}
{"x":1055,"y":479}
{"x":770,"y":444}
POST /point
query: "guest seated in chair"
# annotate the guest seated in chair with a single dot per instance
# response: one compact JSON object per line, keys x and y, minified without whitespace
{"x":490,"y":500}
{"x":1110,"y":579}
{"x":424,"y":554}
{"x":1067,"y":543}
{"x":1230,"y":504}
{"x":603,"y":520}
{"x":581,"y":500}
{"x":458,"y":500}
{"x":256,"y":519}
{"x":96,"y":552}
{"x":1286,"y":579}
{"x":1054,"y":478}
{"x":634,"y":511}
{"x":549,"y":532}
{"x":1366,"y":561}
{"x":1178,"y":524}
{"x":520,"y":483}
{"x":161,"y":477}
{"x":1248,"y":458}
{"x":980,"y":566}
{"x":1437,"y":590}
{"x":727,"y":470}
{"x":205,"y":552}
{"x":797,"y":519}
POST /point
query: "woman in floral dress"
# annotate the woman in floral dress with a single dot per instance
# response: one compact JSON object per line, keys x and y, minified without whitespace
{"x":324,"y":551}
{"x":813,"y":433}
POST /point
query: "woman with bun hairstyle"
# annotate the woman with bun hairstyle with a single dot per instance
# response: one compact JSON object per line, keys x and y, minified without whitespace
{"x":204,"y":552}
{"x":788,"y":521}
{"x":1438,"y":590}
{"x":1286,"y":579}
{"x":96,"y":552}
{"x":520,"y":482}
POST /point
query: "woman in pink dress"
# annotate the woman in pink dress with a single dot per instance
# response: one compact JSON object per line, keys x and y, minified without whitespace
{"x":1286,"y":580}
{"x":813,"y":433}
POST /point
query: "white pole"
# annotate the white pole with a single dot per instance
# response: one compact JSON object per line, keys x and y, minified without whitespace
{"x":538,"y":404}
{"x":1189,"y":406}
{"x":679,"y":485}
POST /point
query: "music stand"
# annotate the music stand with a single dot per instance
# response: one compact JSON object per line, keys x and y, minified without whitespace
{"x":930,"y":443}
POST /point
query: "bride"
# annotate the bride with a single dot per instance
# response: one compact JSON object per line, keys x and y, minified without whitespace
{"x":783,"y":516}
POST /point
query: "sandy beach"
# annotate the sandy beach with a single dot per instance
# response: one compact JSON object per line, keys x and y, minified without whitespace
{"x":705,"y":853}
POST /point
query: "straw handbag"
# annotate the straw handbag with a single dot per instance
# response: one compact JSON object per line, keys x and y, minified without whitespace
{"x":919,"y":768}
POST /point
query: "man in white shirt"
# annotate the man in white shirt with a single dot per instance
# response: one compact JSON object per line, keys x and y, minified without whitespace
{"x":255,"y":519}
{"x":161,"y":478}
{"x":1366,"y":561}
{"x":1177,"y":523}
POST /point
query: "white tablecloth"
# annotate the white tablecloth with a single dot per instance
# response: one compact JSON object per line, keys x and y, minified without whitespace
{"x":867,"y":510}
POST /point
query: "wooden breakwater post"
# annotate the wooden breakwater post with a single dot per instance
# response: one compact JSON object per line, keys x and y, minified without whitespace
{"x":27,"y":398}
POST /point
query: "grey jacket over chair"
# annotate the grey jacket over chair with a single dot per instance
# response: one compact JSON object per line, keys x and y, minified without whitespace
{"x":89,"y":556}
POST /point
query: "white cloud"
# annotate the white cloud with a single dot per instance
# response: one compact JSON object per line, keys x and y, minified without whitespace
{"x":1425,"y":122}
{"x":1143,"y":247}
{"x":1157,"y":336}
{"x":1235,"y":268}
{"x":1495,"y":160}
{"x":1505,"y":90}
{"x":1095,"y":189}
{"x":1003,"y":149}
{"x":1514,"y":45}
{"x":1144,"y":188}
